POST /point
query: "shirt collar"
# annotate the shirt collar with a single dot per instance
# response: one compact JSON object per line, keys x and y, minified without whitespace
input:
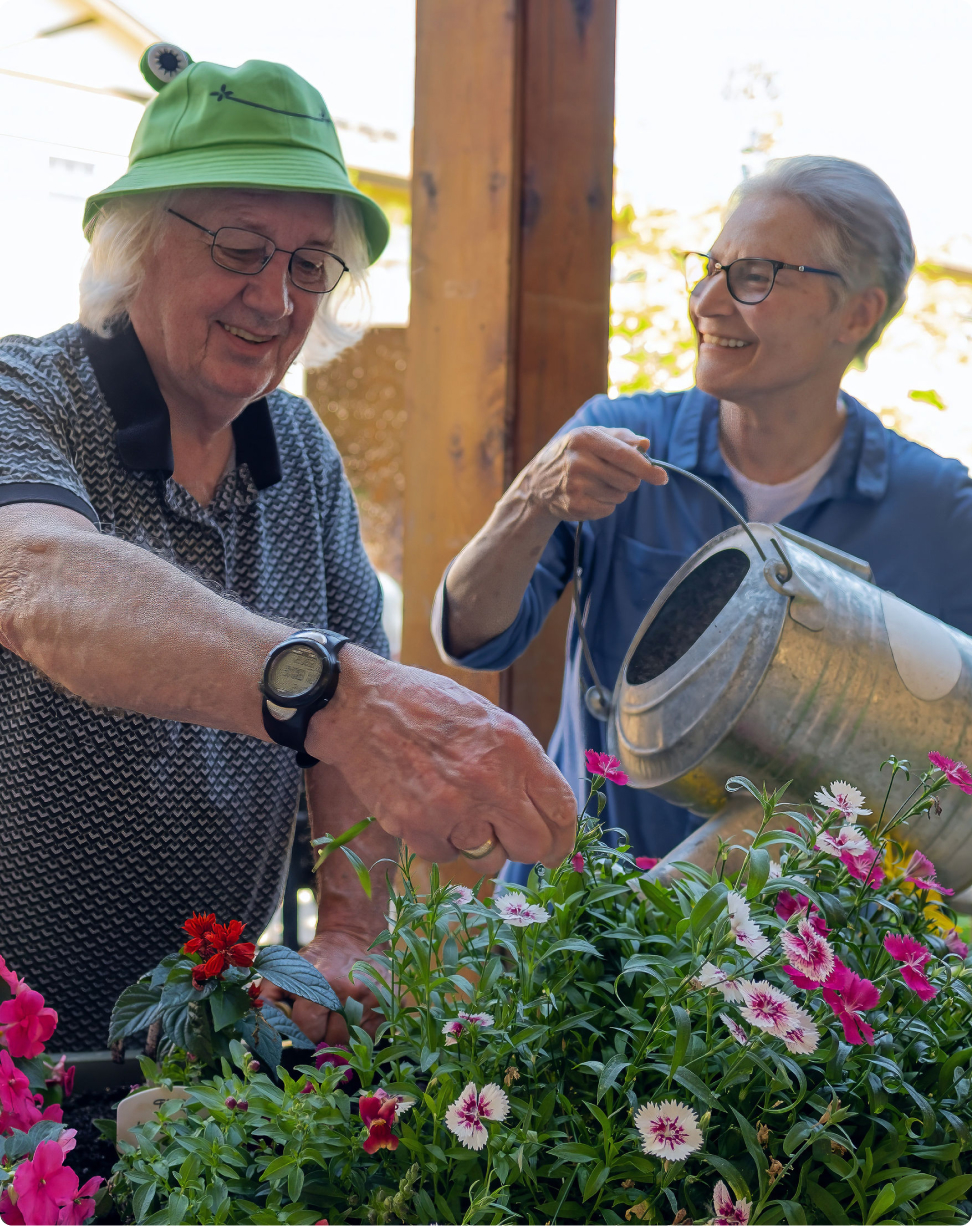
{"x":860,"y":467}
{"x":142,"y":416}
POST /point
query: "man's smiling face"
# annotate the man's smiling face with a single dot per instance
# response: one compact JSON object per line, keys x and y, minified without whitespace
{"x":216,"y":336}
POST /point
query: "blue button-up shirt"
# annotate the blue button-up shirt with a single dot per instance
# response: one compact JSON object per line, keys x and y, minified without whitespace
{"x":892,"y":502}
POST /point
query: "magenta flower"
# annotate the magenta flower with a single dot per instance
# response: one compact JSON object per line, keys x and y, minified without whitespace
{"x":577,"y":862}
{"x":921,"y":872}
{"x":461,"y":894}
{"x":605,"y":765}
{"x":27,"y":1024}
{"x":768,"y":1007}
{"x":809,"y":952}
{"x":465,"y":1117}
{"x":646,"y":863}
{"x":802,"y":1034}
{"x":955,"y":945}
{"x":864,"y":865}
{"x":849,"y":995}
{"x":83,"y":1206}
{"x":44,"y":1185}
{"x":726,"y":1212}
{"x":955,"y":772}
{"x":325,"y":1054}
{"x":668,"y":1130}
{"x":9,"y":1212}
{"x":914,"y":957}
{"x":9,"y":978}
{"x":787,"y":906}
{"x":17,"y":1107}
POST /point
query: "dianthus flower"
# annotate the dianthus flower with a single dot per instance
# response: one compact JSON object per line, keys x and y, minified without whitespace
{"x":465,"y":1117}
{"x":849,"y":995}
{"x":606,"y":766}
{"x":514,"y":909}
{"x":26,"y":1023}
{"x":787,"y":906}
{"x":920,"y":871}
{"x":769,"y":1008}
{"x":737,"y":1032}
{"x":914,"y":957}
{"x":847,"y":838}
{"x":802,"y":1034}
{"x":955,"y":945}
{"x":955,"y":772}
{"x":864,"y":865}
{"x":809,"y":952}
{"x":668,"y":1130}
{"x":728,"y":1213}
{"x":455,"y":1026}
{"x":843,"y":799}
{"x":747,"y":932}
{"x":460,"y":894}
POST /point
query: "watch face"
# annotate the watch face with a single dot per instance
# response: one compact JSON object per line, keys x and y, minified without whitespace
{"x":295,"y":671}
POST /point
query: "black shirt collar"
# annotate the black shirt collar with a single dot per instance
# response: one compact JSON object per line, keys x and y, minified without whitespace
{"x":142,"y":416}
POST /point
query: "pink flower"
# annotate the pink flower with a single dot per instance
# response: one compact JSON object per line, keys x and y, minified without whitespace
{"x":769,"y":1008}
{"x":27,"y":1023}
{"x":955,"y":772}
{"x":842,"y":799}
{"x":461,"y":894}
{"x":18,"y":1108}
{"x":62,"y":1076}
{"x":808,"y":952}
{"x":67,"y":1140}
{"x":847,"y":838}
{"x":9,"y":1212}
{"x":802,"y":1034}
{"x":849,"y":995}
{"x":514,"y":909}
{"x":83,"y":1205}
{"x":787,"y":906}
{"x":914,"y":957}
{"x":955,"y":945}
{"x":44,"y":1185}
{"x":921,"y":872}
{"x":737,"y":1032}
{"x":9,"y":978}
{"x":605,"y":765}
{"x":727,"y":1213}
{"x":455,"y":1026}
{"x":325,"y":1055}
{"x":577,"y":862}
{"x":647,"y":863}
{"x":864,"y":865}
{"x":465,"y":1117}
{"x":668,"y":1130}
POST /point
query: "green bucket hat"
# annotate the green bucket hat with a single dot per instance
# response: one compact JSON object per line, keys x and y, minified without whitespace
{"x":260,"y":125}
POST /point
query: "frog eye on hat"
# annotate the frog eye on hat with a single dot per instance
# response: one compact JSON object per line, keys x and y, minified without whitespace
{"x":161,"y":62}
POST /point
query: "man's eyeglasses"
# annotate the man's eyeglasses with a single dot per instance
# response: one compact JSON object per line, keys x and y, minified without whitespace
{"x":242,"y":251}
{"x":748,"y":280}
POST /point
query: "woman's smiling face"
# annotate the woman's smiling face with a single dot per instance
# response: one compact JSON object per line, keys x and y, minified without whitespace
{"x":795,"y":334}
{"x":216,"y":334}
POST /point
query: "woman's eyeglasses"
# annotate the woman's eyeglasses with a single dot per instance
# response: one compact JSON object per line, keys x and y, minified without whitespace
{"x":748,"y":280}
{"x":242,"y":251}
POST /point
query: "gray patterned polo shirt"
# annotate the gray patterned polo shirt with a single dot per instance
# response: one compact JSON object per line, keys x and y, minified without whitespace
{"x":115,"y":827}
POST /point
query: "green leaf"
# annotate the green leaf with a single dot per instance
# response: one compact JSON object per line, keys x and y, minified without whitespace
{"x":570,"y":945}
{"x":609,"y":1074}
{"x":948,"y":1193}
{"x":708,"y":909}
{"x":288,"y":970}
{"x":911,"y":1187}
{"x":948,"y":1068}
{"x":794,"y":1212}
{"x":573,"y":1151}
{"x":730,"y":1173}
{"x":331,"y":842}
{"x":279,"y":1167}
{"x":882,"y":1203}
{"x":759,"y":870}
{"x":824,"y":1200}
{"x":228,"y":1004}
{"x":295,"y":1181}
{"x":137,"y":1007}
{"x":176,"y":1208}
{"x":683,"y":1032}
{"x":596,"y":1179}
{"x":797,"y":1135}
{"x":285,"y":1027}
{"x":361,"y":870}
{"x":929,"y":397}
{"x":695,"y":1085}
{"x":755,"y":1149}
{"x":142,"y":1201}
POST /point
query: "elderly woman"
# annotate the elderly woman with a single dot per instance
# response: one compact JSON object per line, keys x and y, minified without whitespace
{"x":811,"y":264}
{"x":168,"y":518}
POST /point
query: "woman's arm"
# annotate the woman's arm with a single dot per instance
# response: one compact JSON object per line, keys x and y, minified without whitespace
{"x":578,"y":476}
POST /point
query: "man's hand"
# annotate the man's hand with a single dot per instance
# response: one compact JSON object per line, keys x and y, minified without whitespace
{"x":334,"y":953}
{"x":441,"y":768}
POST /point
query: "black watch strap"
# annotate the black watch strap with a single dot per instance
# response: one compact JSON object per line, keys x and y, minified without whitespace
{"x":288,"y":725}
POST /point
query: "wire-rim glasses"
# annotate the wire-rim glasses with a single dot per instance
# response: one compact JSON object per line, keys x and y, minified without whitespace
{"x":749,"y":280}
{"x":310,"y":268}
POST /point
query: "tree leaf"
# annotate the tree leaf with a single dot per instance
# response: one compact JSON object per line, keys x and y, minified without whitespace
{"x":288,"y":970}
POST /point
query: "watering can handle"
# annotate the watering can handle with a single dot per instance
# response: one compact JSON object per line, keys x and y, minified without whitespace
{"x":597,"y":699}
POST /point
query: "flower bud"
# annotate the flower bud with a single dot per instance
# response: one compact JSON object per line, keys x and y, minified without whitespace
{"x":308,"y":1089}
{"x":254,"y":1066}
{"x":242,"y":1105}
{"x":231,"y":1102}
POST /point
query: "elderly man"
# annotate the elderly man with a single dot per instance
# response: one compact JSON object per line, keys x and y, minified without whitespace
{"x":168,"y":519}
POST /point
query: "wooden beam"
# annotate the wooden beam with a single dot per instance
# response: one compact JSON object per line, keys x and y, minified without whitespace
{"x":511,"y":248}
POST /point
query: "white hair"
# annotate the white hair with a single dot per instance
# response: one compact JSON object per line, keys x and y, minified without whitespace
{"x":127,"y":228}
{"x":865,"y":232}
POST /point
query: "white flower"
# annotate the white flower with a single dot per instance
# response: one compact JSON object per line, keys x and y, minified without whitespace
{"x":733,"y":990}
{"x":727,"y":1213}
{"x":461,"y":894}
{"x":709,"y":976}
{"x":747,"y":932}
{"x":455,"y":1026}
{"x":769,"y":1008}
{"x":668,"y":1130}
{"x":466,"y":1115}
{"x":735,"y":1029}
{"x":848,"y":801}
{"x":808,"y":952}
{"x":775,"y":870}
{"x":514,"y":909}
{"x":847,"y":838}
{"x":801,"y":1035}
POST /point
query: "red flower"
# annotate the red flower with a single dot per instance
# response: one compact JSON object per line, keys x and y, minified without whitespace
{"x":218,"y":945}
{"x":955,"y":772}
{"x":27,"y":1023}
{"x":849,"y":995}
{"x":607,"y":766}
{"x":577,"y":862}
{"x":379,"y":1115}
{"x":198,"y":927}
{"x":253,"y":991}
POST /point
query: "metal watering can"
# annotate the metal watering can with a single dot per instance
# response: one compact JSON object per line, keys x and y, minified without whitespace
{"x":772,"y":655}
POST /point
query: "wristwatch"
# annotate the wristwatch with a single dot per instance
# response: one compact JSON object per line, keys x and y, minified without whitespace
{"x":300,"y":677}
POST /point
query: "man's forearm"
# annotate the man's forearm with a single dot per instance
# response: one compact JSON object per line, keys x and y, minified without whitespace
{"x":120,"y":627}
{"x":342,"y":903}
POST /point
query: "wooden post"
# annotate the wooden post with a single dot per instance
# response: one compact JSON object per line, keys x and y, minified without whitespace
{"x":511,"y":241}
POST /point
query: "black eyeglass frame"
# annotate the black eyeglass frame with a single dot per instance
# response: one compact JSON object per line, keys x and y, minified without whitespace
{"x":713,"y":266}
{"x":214,"y":234}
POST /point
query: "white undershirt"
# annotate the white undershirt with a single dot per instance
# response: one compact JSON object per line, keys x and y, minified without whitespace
{"x":768,"y":504}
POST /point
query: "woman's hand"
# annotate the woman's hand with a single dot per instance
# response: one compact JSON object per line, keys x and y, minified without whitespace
{"x":587,"y":473}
